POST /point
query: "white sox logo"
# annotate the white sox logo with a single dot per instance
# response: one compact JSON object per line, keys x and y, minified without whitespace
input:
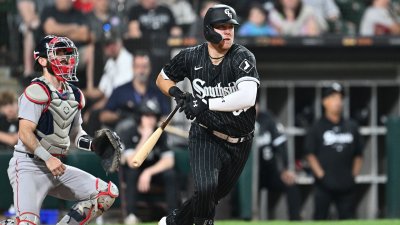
{"x":203,"y":91}
{"x":227,"y":12}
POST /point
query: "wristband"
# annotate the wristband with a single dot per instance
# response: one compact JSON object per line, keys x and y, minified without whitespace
{"x":175,"y":91}
{"x":42,"y":153}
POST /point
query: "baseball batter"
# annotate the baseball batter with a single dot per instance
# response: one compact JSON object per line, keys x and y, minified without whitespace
{"x":49,"y":119}
{"x":224,"y":81}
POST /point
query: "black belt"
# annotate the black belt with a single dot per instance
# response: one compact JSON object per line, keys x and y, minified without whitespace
{"x":225,"y":137}
{"x":33,"y":156}
{"x":30,"y":155}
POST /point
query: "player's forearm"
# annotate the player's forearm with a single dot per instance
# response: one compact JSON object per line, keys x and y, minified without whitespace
{"x":164,"y":84}
{"x":29,"y":139}
{"x":357,"y":164}
{"x":243,"y":98}
{"x":315,"y":166}
{"x":8,"y":138}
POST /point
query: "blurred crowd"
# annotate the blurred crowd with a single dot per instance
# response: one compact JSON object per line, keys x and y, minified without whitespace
{"x":123,"y":45}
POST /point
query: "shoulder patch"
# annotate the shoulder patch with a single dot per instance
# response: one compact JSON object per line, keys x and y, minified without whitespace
{"x":37,"y":93}
{"x":246,"y":66}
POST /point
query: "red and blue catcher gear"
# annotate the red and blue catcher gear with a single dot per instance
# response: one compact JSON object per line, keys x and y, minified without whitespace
{"x":62,"y":56}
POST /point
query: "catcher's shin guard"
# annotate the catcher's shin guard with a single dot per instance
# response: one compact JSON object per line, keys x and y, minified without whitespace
{"x":85,"y":211}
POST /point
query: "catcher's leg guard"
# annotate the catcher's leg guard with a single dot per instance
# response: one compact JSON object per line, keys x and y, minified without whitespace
{"x":85,"y":211}
{"x":27,"y":218}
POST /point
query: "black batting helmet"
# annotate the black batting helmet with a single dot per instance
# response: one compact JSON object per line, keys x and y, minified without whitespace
{"x":219,"y":13}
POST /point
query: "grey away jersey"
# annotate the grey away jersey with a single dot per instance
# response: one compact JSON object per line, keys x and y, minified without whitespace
{"x":210,"y":81}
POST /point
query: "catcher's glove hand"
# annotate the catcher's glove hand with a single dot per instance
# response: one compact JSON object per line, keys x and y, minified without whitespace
{"x":108,"y":146}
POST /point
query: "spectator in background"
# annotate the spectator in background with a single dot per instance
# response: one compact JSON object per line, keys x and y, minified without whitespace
{"x":102,"y":20}
{"x":153,"y":24}
{"x":84,"y":6}
{"x":196,"y":29}
{"x":379,"y":20}
{"x":124,"y":100}
{"x":257,"y":23}
{"x":8,"y":120}
{"x":333,"y":149}
{"x":183,"y":13}
{"x":273,"y":171}
{"x":117,"y":71}
{"x":63,"y":20}
{"x":326,"y":11}
{"x":293,"y":18}
{"x":29,"y":11}
{"x":156,"y":169}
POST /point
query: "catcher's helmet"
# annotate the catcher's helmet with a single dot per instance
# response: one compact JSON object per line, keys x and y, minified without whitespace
{"x":150,"y":107}
{"x":62,"y":56}
{"x":219,"y":13}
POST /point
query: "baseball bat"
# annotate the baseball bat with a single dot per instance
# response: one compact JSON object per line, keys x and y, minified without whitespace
{"x":144,"y":151}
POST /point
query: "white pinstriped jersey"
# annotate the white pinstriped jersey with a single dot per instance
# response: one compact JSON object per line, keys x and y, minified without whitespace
{"x":210,"y":81}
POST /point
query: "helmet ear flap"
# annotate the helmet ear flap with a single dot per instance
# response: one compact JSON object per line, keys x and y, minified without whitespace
{"x":211,"y":35}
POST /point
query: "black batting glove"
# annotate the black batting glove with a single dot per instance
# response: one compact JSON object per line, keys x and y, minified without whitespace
{"x":179,"y":96}
{"x":194,"y":106}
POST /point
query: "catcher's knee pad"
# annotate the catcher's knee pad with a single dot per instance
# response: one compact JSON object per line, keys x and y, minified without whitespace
{"x":27,"y":219}
{"x":107,"y":194}
{"x":85,"y":211}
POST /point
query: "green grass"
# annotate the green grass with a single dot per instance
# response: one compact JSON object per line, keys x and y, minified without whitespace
{"x":350,"y":222}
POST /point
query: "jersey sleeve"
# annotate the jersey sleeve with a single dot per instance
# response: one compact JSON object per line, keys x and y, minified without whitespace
{"x":29,"y":110}
{"x":244,"y":67}
{"x":176,"y":69}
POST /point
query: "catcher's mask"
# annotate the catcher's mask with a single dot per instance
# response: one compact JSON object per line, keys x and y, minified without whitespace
{"x":62,"y":56}
{"x":217,"y":14}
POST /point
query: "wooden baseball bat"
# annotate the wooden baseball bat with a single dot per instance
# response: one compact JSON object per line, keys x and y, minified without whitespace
{"x":176,"y":131}
{"x":144,"y":151}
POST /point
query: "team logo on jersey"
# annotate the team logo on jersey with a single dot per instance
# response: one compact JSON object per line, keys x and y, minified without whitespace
{"x":216,"y":91}
{"x":228,"y":12}
{"x":337,"y":140}
{"x":246,"y":66}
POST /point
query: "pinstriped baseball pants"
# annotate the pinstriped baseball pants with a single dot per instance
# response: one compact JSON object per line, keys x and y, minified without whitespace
{"x":216,"y":166}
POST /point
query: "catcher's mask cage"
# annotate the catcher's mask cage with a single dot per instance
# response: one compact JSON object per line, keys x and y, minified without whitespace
{"x":62,"y":56}
{"x":218,"y":14}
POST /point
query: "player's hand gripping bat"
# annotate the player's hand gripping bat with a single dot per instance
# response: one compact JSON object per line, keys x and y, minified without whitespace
{"x":142,"y":153}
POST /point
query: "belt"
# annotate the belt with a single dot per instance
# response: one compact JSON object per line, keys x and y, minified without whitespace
{"x":33,"y":156}
{"x":225,"y":137}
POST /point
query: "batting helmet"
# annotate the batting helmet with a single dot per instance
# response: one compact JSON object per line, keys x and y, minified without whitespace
{"x":219,"y":13}
{"x":62,"y":55}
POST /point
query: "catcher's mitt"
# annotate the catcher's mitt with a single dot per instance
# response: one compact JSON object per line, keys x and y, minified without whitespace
{"x":108,"y":146}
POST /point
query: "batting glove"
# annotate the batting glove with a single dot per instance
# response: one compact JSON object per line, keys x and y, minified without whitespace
{"x":194,"y":106}
{"x":179,"y":96}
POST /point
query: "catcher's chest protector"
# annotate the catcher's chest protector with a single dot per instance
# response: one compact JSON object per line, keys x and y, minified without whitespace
{"x":56,"y":120}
